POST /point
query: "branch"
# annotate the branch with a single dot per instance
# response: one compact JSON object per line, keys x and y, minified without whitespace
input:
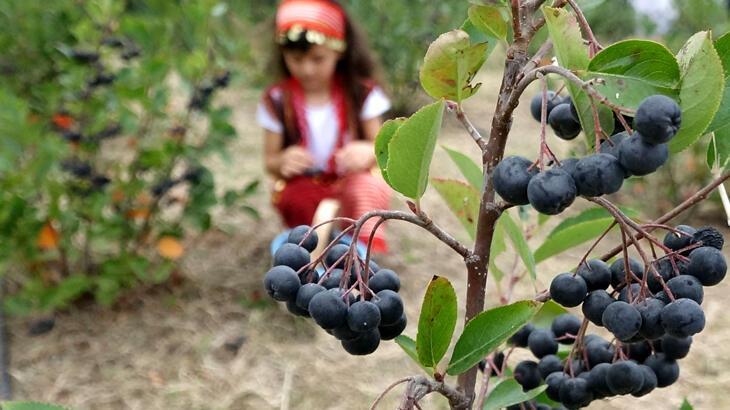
{"x":387,"y":389}
{"x":420,"y":386}
{"x":420,"y":219}
{"x":594,"y":45}
{"x":475,"y":135}
{"x":688,"y":203}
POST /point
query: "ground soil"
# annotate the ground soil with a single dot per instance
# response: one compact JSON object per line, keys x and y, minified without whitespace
{"x":209,"y":343}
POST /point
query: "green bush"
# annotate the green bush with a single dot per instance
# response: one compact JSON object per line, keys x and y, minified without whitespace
{"x":106,"y":122}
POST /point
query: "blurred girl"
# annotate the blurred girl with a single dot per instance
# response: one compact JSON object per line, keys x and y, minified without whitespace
{"x":321,"y":117}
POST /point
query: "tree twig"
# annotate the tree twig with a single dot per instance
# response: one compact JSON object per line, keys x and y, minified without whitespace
{"x":470,"y":128}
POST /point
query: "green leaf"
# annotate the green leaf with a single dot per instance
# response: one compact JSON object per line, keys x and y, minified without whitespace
{"x":517,"y":237}
{"x":571,"y":236}
{"x":632,"y":70}
{"x":488,"y":330}
{"x":409,"y":346}
{"x":29,"y":405}
{"x":462,"y":199}
{"x":509,"y":392}
{"x":471,"y":171}
{"x":410,"y":150}
{"x":437,"y":322}
{"x":547,"y":313}
{"x":385,"y":135}
{"x":722,"y":117}
{"x":573,"y":55}
{"x":490,"y":20}
{"x":701,"y":89}
{"x":450,"y":65}
{"x":686,"y":405}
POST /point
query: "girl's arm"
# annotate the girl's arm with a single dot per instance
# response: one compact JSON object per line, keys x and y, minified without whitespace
{"x":284,"y":163}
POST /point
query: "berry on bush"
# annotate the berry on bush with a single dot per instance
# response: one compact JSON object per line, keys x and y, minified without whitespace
{"x":682,"y":318}
{"x":657,"y":119}
{"x":551,"y":191}
{"x":511,"y":178}
{"x":526,"y":373}
{"x":562,"y":122}
{"x":596,"y":273}
{"x":542,"y":343}
{"x":298,"y":234}
{"x":597,"y":175}
{"x":622,"y":319}
{"x":282,"y":283}
{"x":291,"y":255}
{"x":708,"y":265}
{"x":568,"y":290}
{"x":639,"y":157}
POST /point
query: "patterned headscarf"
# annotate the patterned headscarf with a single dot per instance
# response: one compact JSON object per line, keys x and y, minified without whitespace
{"x":324,"y":22}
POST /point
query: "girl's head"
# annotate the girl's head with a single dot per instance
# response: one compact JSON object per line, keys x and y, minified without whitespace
{"x":316,"y":41}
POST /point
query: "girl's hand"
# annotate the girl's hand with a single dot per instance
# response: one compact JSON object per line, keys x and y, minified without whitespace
{"x":294,"y":161}
{"x":356,"y":156}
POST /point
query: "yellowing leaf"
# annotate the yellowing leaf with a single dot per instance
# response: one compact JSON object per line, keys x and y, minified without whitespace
{"x":170,"y":247}
{"x":47,"y":237}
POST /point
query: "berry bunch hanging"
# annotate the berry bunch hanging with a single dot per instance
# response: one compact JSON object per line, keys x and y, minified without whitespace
{"x":360,"y":308}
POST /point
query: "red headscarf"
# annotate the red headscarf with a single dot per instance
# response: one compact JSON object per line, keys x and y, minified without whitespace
{"x":323,"y":20}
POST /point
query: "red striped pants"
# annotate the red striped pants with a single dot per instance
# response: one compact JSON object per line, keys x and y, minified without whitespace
{"x":357,"y":193}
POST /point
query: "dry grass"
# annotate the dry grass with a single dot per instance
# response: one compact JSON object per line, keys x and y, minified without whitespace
{"x":167,"y":350}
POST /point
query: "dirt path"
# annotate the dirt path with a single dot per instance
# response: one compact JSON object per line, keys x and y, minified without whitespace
{"x":179,"y":349}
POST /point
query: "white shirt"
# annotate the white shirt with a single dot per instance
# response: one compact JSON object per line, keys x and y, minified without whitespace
{"x":322,"y":122}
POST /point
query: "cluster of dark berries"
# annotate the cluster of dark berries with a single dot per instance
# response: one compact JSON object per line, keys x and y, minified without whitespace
{"x":193,"y":175}
{"x":561,"y":114}
{"x":652,"y":311}
{"x":550,"y":191}
{"x":203,"y":93}
{"x":87,"y":179}
{"x":358,"y":311}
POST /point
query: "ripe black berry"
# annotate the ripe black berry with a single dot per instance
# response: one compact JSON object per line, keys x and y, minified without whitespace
{"x":568,"y":290}
{"x":527,"y":375}
{"x":682,"y":318}
{"x":563,"y":123}
{"x":622,"y":319}
{"x":363,"y":316}
{"x":640,"y":158}
{"x":658,"y":118}
{"x":390,"y":305}
{"x":554,"y":381}
{"x":388,"y":332}
{"x":676,"y":348}
{"x":630,"y":293}
{"x":291,"y":255}
{"x":597,"y":175}
{"x":565,"y":325}
{"x":709,"y":236}
{"x":686,"y":286}
{"x":624,"y":377}
{"x":599,"y":353}
{"x":708,"y":265}
{"x":665,"y":369}
{"x":519,"y":339}
{"x":366,"y":343}
{"x":568,"y":165}
{"x":596,"y":273}
{"x":618,"y":272}
{"x":333,"y":280}
{"x":574,"y":393}
{"x":328,"y":309}
{"x":651,"y":322}
{"x":638,"y":351}
{"x":282,"y":283}
{"x":549,"y":364}
{"x":384,"y":279}
{"x":298,"y":233}
{"x":306,"y":293}
{"x":551,"y":191}
{"x":335,"y":253}
{"x":595,"y":304}
{"x":542,"y":343}
{"x":650,"y":381}
{"x":666,"y":270}
{"x":536,"y":104}
{"x":292,"y":307}
{"x":597,"y":380}
{"x":676,"y":241}
{"x":511,"y":178}
{"x":610,"y":146}
{"x":345,"y":333}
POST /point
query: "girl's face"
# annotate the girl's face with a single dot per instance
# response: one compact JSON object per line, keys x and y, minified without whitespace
{"x":314,"y":68}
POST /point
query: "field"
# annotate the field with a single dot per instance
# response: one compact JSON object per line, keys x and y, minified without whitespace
{"x":205,"y":342}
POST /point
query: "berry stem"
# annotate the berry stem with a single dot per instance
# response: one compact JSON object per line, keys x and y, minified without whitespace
{"x":577,"y":345}
{"x":679,"y":209}
{"x":595,"y":243}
